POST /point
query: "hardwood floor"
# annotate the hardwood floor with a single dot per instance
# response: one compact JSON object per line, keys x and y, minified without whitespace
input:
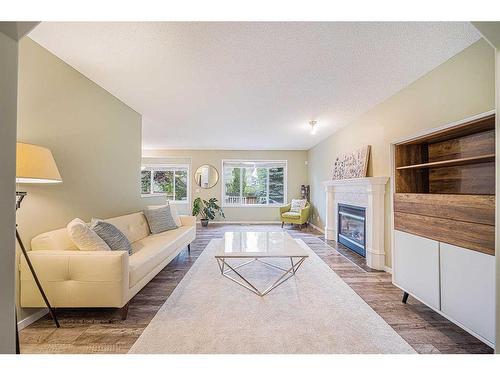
{"x":103,"y":331}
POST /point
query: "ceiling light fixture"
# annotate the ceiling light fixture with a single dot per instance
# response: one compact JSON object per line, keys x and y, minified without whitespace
{"x":313,"y":126}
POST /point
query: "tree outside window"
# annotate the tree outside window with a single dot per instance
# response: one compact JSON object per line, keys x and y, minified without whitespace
{"x":254,"y":183}
{"x":171,"y":182}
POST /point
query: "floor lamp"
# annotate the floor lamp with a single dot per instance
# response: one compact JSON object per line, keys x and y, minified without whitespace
{"x":34,"y":165}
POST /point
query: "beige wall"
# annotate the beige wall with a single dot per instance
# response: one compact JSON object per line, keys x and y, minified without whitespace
{"x":297,"y":175}
{"x":94,"y":137}
{"x":8,"y":102}
{"x":461,"y":87}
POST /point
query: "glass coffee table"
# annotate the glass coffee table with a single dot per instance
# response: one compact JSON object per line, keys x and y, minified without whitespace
{"x":260,"y":247}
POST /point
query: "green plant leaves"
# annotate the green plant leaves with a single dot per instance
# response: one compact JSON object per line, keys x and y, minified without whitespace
{"x":207,"y":209}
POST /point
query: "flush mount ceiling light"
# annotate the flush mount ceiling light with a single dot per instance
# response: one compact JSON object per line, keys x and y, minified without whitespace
{"x":312,"y":123}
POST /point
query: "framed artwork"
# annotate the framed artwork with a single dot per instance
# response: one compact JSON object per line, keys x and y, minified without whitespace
{"x":352,"y":164}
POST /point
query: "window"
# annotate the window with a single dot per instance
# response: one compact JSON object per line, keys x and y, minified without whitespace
{"x":248,"y":183}
{"x":169,"y":181}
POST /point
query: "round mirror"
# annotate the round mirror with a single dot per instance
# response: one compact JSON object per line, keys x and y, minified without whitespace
{"x":206,"y":176}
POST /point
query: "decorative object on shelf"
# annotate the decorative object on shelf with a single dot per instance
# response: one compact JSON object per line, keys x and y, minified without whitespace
{"x":207,"y":210}
{"x":305,"y":192}
{"x":352,"y":164}
{"x":206,"y":176}
{"x":34,"y":165}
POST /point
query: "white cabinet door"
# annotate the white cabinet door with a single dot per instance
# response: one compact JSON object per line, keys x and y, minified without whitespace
{"x":416,"y":267}
{"x":468,"y":289}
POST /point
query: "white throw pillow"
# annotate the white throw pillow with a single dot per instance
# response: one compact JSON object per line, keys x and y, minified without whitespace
{"x":298,"y":205}
{"x":175,"y":214}
{"x":83,"y":237}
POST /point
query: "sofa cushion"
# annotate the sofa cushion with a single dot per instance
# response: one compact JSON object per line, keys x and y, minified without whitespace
{"x":291,"y":215}
{"x":160,"y":219}
{"x":113,"y":237}
{"x":152,"y":250}
{"x":54,"y":240}
{"x":84,"y":237}
{"x":133,"y":226}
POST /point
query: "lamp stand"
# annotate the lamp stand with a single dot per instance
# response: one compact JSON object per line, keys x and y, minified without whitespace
{"x":20,"y":196}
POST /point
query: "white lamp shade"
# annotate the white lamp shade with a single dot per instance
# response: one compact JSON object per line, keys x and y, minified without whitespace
{"x":35,"y":164}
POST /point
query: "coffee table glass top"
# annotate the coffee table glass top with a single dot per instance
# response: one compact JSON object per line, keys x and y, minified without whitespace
{"x":259,"y":244}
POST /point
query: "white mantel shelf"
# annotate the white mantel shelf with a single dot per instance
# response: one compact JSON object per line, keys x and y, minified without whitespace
{"x":367,"y":192}
{"x":363,"y":181}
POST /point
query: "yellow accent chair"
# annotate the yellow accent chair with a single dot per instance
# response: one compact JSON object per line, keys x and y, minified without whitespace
{"x":299,"y":218}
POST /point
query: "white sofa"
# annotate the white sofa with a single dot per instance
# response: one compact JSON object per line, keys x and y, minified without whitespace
{"x":75,"y":278}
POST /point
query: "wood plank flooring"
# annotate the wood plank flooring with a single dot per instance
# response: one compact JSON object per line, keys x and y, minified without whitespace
{"x":102,"y":330}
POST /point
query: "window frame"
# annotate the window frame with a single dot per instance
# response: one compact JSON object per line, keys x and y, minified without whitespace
{"x":239,"y":205}
{"x":162,"y":168}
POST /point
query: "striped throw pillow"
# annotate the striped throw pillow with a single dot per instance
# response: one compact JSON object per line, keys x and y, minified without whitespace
{"x":113,"y":236}
{"x":160,"y":219}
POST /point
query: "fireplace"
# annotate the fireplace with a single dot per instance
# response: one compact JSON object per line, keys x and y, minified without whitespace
{"x":352,"y":228}
{"x":367,"y":192}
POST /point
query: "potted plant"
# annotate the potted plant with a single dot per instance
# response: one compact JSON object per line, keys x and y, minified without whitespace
{"x":206,"y":209}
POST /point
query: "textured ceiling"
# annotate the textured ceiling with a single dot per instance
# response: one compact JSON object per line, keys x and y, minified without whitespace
{"x":251,"y":85}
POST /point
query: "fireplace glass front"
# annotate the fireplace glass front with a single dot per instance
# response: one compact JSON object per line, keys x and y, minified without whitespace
{"x":351,"y":228}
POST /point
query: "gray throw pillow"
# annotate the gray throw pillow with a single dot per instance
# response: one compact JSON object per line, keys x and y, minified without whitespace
{"x":160,"y":219}
{"x":113,"y":236}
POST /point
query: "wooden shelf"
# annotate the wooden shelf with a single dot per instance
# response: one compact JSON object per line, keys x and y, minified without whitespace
{"x":453,"y":162}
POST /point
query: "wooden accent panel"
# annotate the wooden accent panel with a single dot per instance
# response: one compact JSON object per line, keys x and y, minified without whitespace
{"x":462,"y":130}
{"x":466,"y":179}
{"x":467,"y":208}
{"x":473,"y":236}
{"x":463,"y":147}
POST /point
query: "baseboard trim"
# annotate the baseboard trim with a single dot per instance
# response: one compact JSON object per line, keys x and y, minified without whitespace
{"x":388,"y":269}
{"x":243,"y":222}
{"x":317,"y":228}
{"x":32,"y":319}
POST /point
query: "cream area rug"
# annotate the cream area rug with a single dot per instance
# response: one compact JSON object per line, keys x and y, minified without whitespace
{"x":312,"y":312}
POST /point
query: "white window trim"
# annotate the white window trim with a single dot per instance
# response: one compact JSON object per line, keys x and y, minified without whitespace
{"x":156,"y":167}
{"x":285,"y":184}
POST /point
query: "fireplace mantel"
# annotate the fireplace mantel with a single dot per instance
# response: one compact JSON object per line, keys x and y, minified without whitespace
{"x":367,"y":192}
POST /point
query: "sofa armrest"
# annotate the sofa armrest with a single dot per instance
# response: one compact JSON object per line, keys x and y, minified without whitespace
{"x":284,"y":209}
{"x":75,"y":278}
{"x":188,"y":220}
{"x":304,"y":213}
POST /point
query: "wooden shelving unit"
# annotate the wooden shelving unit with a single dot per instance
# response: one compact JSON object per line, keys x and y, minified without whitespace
{"x":444,"y":223}
{"x":445,"y":185}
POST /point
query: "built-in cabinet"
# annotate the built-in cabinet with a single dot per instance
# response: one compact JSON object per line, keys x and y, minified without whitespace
{"x":468,"y":288}
{"x":444,"y":222}
{"x":416,"y":267}
{"x":455,"y":281}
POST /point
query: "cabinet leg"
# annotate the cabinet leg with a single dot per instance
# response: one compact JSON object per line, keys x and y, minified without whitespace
{"x":405,"y":297}
{"x":124,"y":311}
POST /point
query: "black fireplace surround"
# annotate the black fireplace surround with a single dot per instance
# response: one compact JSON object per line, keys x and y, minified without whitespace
{"x":352,"y":228}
